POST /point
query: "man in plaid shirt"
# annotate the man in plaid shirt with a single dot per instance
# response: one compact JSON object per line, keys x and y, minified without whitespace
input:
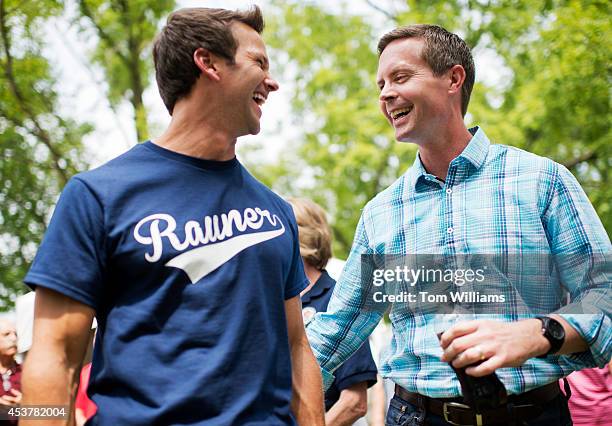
{"x":462,"y":198}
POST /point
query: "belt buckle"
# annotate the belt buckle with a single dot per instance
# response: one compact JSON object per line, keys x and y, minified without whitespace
{"x":445,"y":410}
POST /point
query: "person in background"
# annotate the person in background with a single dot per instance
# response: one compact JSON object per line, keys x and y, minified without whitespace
{"x":10,"y":370}
{"x":346,"y":399}
{"x":590,"y":403}
{"x":84,"y":408}
{"x":382,"y":391}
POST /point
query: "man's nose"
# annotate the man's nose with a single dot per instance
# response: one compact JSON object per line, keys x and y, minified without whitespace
{"x":386,"y":94}
{"x":271,"y":84}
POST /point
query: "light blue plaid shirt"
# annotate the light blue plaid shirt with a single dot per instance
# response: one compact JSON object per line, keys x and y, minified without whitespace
{"x":496,"y":199}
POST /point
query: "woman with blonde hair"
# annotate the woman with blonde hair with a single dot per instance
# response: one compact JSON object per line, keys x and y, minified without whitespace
{"x":346,"y":399}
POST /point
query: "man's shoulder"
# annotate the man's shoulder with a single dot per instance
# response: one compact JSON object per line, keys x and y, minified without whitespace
{"x":257,"y":184}
{"x":116,"y":178}
{"x":114,"y":169}
{"x":522,"y":160}
{"x":266,"y":192}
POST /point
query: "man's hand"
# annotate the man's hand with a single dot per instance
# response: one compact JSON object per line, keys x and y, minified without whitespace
{"x":497,"y":344}
{"x":11,"y":400}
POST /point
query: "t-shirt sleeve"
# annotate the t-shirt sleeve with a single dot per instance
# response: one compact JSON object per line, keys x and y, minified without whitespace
{"x":360,"y":367}
{"x":296,"y":279}
{"x":71,"y":257}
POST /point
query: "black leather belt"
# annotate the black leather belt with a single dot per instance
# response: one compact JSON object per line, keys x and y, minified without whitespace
{"x":525,"y":406}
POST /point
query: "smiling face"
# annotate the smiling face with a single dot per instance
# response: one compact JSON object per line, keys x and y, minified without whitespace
{"x":413,"y":100}
{"x":247,"y":82}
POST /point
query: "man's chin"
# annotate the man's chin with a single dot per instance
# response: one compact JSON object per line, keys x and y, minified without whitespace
{"x":408,"y":135}
{"x":404,"y":137}
{"x":255,"y":129}
{"x":249,"y":131}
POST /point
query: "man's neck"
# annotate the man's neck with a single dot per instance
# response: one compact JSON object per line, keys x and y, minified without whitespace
{"x":198,"y":133}
{"x":436,"y":154}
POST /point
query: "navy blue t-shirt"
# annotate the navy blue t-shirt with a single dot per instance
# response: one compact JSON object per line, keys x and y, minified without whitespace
{"x":187,"y":264}
{"x":360,"y":367}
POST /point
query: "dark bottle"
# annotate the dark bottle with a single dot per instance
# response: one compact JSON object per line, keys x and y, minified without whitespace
{"x":481,"y":393}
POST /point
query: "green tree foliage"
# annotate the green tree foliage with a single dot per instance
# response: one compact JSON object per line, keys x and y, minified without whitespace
{"x":125,"y":31}
{"x":347,"y":146}
{"x":39,"y":149}
{"x":558,"y":104}
{"x":555,"y":103}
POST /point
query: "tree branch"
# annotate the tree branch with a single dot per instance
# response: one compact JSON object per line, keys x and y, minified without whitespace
{"x":383,"y":11}
{"x":86,"y":11}
{"x":137,"y":86}
{"x":86,"y":65}
{"x":40,"y":133}
{"x":17,"y":122}
{"x":587,"y":156}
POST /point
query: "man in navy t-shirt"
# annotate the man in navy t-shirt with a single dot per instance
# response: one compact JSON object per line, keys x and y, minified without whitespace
{"x":190,"y":265}
{"x":346,"y":399}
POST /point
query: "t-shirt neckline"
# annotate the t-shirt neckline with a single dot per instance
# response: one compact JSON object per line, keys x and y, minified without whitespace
{"x":194,"y":161}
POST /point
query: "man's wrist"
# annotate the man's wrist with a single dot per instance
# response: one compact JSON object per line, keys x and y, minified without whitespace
{"x":554,"y":332}
{"x":541,"y":345}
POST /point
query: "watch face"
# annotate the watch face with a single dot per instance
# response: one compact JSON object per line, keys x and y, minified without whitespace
{"x":556,"y":330}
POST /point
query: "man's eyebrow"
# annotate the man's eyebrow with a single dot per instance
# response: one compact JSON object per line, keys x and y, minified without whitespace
{"x":402,"y":68}
{"x":260,"y":57}
{"x":396,"y":70}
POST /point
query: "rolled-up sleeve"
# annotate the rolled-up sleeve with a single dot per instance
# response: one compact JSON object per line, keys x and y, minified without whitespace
{"x":582,"y":251}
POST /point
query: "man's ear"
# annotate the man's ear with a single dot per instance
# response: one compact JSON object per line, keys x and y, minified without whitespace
{"x":456,"y":79}
{"x":207,"y":63}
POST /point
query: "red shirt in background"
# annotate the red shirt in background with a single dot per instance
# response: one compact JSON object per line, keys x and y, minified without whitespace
{"x":15,"y":381}
{"x":82,"y":400}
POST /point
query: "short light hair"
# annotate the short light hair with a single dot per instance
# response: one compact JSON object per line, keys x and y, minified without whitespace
{"x":442,"y":50}
{"x":315,"y":233}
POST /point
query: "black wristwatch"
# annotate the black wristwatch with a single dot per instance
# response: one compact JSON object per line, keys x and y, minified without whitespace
{"x":554,"y":332}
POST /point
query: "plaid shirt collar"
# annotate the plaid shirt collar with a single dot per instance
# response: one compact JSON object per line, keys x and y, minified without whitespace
{"x":471,"y":159}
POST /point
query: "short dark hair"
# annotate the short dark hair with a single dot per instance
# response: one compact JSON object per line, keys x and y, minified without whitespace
{"x":442,"y":50}
{"x":187,"y":30}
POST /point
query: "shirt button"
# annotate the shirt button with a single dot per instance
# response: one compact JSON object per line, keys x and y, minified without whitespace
{"x":450,"y":230}
{"x":449,"y":191}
